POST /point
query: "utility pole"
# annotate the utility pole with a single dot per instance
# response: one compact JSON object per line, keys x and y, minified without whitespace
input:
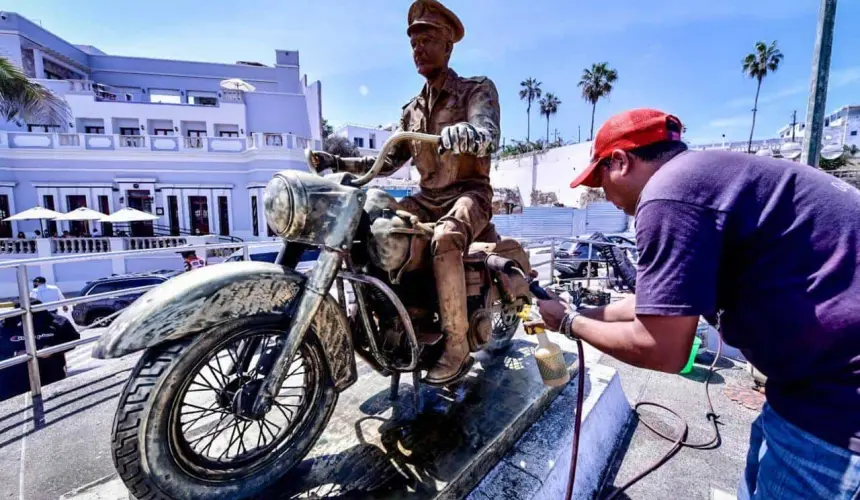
{"x":793,"y":123}
{"x":818,"y":86}
{"x":578,"y":134}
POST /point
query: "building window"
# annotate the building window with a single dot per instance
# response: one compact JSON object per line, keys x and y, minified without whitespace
{"x":43,"y":128}
{"x":203,"y":101}
{"x":162,"y":131}
{"x":48,"y":202}
{"x":358,"y":141}
{"x":853,"y":132}
{"x":228,"y":133}
{"x":255,"y":224}
{"x":94,"y":130}
{"x":223,"y":216}
{"x":371,"y":141}
{"x":5,"y":227}
{"x":140,"y":199}
{"x":173,"y":214}
{"x":129,"y":131}
{"x":104,"y":207}
{"x":198,"y":209}
{"x":77,"y":227}
{"x":195,"y":138}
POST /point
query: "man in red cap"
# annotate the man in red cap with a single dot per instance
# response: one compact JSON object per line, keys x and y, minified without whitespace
{"x":770,"y":251}
{"x":455,"y":185}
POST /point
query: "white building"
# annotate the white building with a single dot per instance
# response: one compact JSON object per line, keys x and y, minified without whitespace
{"x":369,"y":141}
{"x":842,"y":127}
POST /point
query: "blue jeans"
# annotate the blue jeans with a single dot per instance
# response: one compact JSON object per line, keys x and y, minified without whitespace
{"x":786,"y":462}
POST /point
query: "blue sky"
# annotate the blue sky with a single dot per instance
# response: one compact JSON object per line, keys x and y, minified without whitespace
{"x":683,"y":56}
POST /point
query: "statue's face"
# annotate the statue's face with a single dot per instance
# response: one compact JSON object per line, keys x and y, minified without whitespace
{"x":431,"y":50}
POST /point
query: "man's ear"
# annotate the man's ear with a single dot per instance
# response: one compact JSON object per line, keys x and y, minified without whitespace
{"x":623,"y":160}
{"x":449,"y":48}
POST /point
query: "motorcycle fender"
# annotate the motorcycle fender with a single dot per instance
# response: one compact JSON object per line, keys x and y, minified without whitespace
{"x":194,"y":302}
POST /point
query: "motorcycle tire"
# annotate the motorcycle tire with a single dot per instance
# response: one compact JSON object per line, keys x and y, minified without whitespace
{"x":155,"y":460}
{"x":505,"y":325}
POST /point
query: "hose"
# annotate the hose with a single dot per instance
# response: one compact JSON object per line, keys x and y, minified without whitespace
{"x":677,"y":443}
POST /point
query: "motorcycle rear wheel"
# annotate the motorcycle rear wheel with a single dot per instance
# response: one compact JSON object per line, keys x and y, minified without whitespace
{"x":157,"y":445}
{"x":505,"y":324}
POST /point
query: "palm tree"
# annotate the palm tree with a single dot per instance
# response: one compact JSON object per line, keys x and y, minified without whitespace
{"x":24,"y":100}
{"x":758,"y":65}
{"x":548,"y":107}
{"x":596,"y":83}
{"x":529,"y":92}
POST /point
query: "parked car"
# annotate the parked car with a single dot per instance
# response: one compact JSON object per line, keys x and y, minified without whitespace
{"x":89,"y":312}
{"x":269,"y":253}
{"x":572,"y":256}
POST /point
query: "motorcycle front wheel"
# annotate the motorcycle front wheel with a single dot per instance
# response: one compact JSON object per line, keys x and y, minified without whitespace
{"x":177,"y":435}
{"x":505,"y":324}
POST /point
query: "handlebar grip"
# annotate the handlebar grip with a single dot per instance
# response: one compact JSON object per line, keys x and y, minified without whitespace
{"x":538,"y":291}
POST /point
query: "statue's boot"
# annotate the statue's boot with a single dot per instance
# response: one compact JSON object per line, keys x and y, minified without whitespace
{"x":455,"y":362}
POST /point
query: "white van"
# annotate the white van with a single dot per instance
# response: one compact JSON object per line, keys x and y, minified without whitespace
{"x":268,"y":252}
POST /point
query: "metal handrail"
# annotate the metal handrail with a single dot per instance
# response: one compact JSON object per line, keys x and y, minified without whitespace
{"x":27,"y":309}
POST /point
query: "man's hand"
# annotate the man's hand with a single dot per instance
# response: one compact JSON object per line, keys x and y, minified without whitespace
{"x":553,"y":311}
{"x":465,"y":138}
{"x":324,"y":161}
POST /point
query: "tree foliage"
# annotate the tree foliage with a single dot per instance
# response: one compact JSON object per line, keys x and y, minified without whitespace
{"x":23,"y":100}
{"x":327,"y":129}
{"x":596,"y":82}
{"x":341,"y":146}
{"x":549,"y":106}
{"x":530,"y":91}
{"x":763,"y":61}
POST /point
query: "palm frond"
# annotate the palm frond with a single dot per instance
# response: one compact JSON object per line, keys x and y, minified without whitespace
{"x":24,"y":99}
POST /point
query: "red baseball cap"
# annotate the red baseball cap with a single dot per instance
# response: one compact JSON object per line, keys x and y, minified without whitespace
{"x":628,"y":130}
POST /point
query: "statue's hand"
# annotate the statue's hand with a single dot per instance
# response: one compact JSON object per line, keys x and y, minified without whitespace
{"x":465,"y":138}
{"x":324,"y":161}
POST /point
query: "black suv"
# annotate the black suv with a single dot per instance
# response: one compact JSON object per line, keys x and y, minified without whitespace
{"x":572,"y":256}
{"x":87,"y":313}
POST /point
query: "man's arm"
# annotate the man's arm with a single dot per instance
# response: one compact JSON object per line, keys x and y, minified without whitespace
{"x":622,"y":310}
{"x":679,"y":253}
{"x":484,"y":113}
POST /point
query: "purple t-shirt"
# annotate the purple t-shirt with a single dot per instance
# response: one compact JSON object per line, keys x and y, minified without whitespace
{"x":775,"y":245}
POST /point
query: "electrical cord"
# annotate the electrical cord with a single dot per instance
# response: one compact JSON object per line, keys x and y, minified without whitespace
{"x":677,"y":443}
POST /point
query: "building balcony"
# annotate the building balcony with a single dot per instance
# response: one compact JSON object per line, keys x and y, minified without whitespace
{"x":107,"y":93}
{"x":162,"y":143}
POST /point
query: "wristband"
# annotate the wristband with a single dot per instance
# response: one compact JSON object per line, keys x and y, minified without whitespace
{"x":566,"y":327}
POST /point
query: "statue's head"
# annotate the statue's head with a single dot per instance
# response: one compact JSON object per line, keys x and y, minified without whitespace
{"x":433,"y":30}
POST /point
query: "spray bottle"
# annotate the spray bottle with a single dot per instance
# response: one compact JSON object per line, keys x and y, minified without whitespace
{"x":549,"y":357}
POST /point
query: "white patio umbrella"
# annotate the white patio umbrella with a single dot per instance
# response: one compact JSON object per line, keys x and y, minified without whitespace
{"x":81,"y":214}
{"x":129,"y":215}
{"x":35,"y":213}
{"x":237,"y":84}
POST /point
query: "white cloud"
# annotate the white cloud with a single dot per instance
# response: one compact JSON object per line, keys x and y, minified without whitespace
{"x":363,"y":90}
{"x":731,"y":121}
{"x":838,"y":78}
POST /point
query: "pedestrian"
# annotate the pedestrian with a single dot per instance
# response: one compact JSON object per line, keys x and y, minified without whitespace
{"x":769,"y":247}
{"x":44,"y":292}
{"x":191,"y":260}
{"x":37,"y":233}
{"x":49,"y":330}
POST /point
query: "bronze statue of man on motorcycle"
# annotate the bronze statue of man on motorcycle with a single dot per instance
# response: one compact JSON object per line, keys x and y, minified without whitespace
{"x":244,"y":362}
{"x":455,"y":185}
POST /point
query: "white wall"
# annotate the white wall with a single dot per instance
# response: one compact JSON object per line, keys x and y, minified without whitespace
{"x":85,"y":106}
{"x":549,"y":171}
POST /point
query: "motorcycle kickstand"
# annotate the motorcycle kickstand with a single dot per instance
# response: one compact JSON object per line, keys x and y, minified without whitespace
{"x":416,"y":389}
{"x":394,"y":392}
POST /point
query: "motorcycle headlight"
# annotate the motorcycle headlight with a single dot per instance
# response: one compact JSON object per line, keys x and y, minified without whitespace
{"x":282,"y":201}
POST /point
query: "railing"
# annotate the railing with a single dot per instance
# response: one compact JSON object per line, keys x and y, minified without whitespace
{"x":26,"y":310}
{"x":132,"y":141}
{"x":69,"y":140}
{"x":18,"y":246}
{"x":156,"y":242}
{"x":79,"y":245}
{"x":591,"y":262}
{"x":193,"y":142}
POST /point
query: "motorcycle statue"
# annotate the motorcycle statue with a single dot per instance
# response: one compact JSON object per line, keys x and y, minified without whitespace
{"x":243,"y":361}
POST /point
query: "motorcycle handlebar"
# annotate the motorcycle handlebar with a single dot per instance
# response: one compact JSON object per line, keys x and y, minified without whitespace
{"x":392,"y":141}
